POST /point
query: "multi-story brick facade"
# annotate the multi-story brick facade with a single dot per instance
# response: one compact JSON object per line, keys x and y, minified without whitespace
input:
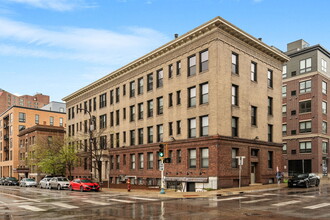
{"x":305,"y":114}
{"x":8,"y":99}
{"x":14,"y":120}
{"x":211,"y":94}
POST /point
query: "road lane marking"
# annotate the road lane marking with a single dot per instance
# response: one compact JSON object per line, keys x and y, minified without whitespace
{"x":20,"y":197}
{"x":317,"y":206}
{"x":233,"y":198}
{"x":63,"y":205}
{"x":121,"y":200}
{"x":286,"y":203}
{"x":255,"y":195}
{"x":148,"y":199}
{"x":95,"y":202}
{"x":2,"y":202}
{"x":255,"y":201}
{"x":32,"y":208}
{"x":270,"y":194}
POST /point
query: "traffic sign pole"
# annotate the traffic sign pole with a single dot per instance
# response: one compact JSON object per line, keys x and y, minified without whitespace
{"x":162,"y":185}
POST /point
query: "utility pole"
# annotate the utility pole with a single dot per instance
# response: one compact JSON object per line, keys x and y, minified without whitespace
{"x":240,"y":164}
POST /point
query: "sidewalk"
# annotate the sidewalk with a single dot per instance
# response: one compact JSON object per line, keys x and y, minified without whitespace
{"x":169,"y":193}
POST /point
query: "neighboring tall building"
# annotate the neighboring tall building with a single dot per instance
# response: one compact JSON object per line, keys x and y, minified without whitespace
{"x":211,"y":94}
{"x":14,"y":120}
{"x":8,"y":99}
{"x":305,"y":114}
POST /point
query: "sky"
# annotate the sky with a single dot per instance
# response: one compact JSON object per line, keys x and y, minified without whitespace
{"x":56,"y":47}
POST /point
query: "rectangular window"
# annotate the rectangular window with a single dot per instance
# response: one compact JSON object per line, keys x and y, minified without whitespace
{"x":150,"y":134}
{"x":150,"y":108}
{"x":284,"y":129}
{"x":178,"y":67}
{"x":254,"y":71}
{"x":117,"y":162}
{"x":111,"y":119}
{"x":234,"y":95}
{"x":324,"y":65}
{"x":192,"y":65}
{"x":178,"y":97}
{"x":284,"y":110}
{"x":305,"y":147}
{"x":103,"y":101}
{"x":117,"y":95}
{"x":192,"y":97}
{"x":150,"y":82}
{"x":124,"y":136}
{"x":111,"y":97}
{"x":140,"y":111}
{"x":324,"y":127}
{"x":204,"y":125}
{"x":284,"y":149}
{"x":170,"y":71}
{"x":234,"y":162}
{"x":178,"y":156}
{"x":140,"y":135}
{"x":204,"y":158}
{"x":160,"y":133}
{"x":284,"y":71}
{"x":178,"y":127}
{"x":270,"y":133}
{"x":36,"y":119}
{"x":324,"y":147}
{"x":160,"y":106}
{"x":270,"y":78}
{"x":124,"y":113}
{"x":305,"y":86}
{"x":270,"y":105}
{"x":170,"y":128}
{"x":270,"y":159}
{"x":283,"y":91}
{"x":160,"y":78}
{"x":117,"y":117}
{"x":234,"y":63}
{"x":141,"y":161}
{"x":204,"y":93}
{"x":204,"y":61}
{"x":150,"y":160}
{"x":132,"y":113}
{"x":21,"y":117}
{"x":132,"y":161}
{"x":103,"y":121}
{"x":112,"y":141}
{"x":124,"y":89}
{"x":305,"y":65}
{"x":132,"y":89}
{"x":103,"y":142}
{"x":234,"y":126}
{"x":140,"y":86}
{"x":305,"y":106}
{"x":117,"y":140}
{"x":61,"y":123}
{"x":94,"y":104}
{"x":132,"y":137}
{"x":192,"y":158}
{"x":51,"y":120}
{"x":253,"y":115}
{"x":192,"y":127}
{"x":324,"y":87}
{"x":170,"y":100}
{"x":324,"y":107}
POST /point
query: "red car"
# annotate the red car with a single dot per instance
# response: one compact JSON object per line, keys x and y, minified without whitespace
{"x":83,"y":184}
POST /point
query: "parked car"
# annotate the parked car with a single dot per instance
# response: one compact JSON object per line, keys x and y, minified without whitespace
{"x":28,"y":182}
{"x":83,"y":184}
{"x":10,"y":181}
{"x":44,"y":183}
{"x":59,"y":183}
{"x":2,"y":179}
{"x":304,"y":180}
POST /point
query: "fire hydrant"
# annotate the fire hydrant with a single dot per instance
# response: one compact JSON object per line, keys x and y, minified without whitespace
{"x":128,"y":185}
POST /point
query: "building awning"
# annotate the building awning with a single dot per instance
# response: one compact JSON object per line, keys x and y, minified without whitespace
{"x":188,"y":179}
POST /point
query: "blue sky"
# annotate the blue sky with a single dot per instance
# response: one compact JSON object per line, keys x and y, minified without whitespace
{"x":56,"y":47}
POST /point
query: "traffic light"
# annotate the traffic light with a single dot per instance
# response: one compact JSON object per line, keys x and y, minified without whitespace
{"x":161,"y":151}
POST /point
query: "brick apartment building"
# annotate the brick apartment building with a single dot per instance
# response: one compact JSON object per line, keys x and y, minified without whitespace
{"x":8,"y":99}
{"x":211,"y":94}
{"x":14,"y":120}
{"x":305,"y":115}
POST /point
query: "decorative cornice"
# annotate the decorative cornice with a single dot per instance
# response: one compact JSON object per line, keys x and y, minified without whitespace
{"x":217,"y":22}
{"x":47,"y":128}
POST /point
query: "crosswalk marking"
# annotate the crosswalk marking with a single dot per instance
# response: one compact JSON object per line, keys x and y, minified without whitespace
{"x":286,"y":203}
{"x":232,"y":198}
{"x":148,"y":199}
{"x":121,"y":200}
{"x":255,"y":201}
{"x":20,"y":197}
{"x":95,"y":202}
{"x":270,"y":194}
{"x":32,"y":208}
{"x":317,"y":206}
{"x":63,"y":205}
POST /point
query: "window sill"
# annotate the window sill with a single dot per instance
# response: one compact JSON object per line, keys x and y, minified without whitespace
{"x":234,"y":74}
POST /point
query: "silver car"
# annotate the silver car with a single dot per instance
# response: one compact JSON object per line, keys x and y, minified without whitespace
{"x":59,"y":183}
{"x":28,"y":182}
{"x":44,"y":183}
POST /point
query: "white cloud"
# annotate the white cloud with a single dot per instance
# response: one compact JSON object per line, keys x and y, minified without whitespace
{"x":84,"y":44}
{"x":56,"y":5}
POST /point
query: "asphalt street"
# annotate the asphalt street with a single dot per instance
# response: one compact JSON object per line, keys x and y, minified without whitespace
{"x":284,"y":203}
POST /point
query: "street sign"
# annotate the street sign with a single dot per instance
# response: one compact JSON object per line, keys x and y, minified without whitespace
{"x":161,"y":166}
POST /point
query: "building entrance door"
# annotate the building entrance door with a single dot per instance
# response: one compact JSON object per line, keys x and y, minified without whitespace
{"x":190,"y":187}
{"x":253,"y":173}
